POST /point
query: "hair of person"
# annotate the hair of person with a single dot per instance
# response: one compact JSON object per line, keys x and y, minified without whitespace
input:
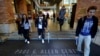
{"x":25,"y":18}
{"x":40,"y":12}
{"x":91,"y":8}
{"x":63,"y":6}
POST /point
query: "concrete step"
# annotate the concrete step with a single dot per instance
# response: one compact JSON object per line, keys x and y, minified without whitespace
{"x":3,"y":38}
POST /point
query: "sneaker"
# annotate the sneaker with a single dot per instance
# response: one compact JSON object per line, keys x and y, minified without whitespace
{"x":39,"y":36}
{"x":25,"y":40}
{"x":43,"y":41}
{"x":28,"y":42}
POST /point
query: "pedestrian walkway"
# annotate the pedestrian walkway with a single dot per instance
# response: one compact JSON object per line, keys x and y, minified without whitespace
{"x":56,"y":43}
{"x":36,"y":48}
{"x":51,"y":35}
{"x":52,"y":32}
{"x":54,"y":26}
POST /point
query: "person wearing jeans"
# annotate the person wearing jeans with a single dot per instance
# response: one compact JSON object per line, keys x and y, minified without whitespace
{"x":41,"y":25}
{"x":87,"y":41}
{"x":26,"y":27}
{"x":86,"y":30}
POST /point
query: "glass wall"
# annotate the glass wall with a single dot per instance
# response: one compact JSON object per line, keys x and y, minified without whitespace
{"x":69,"y":1}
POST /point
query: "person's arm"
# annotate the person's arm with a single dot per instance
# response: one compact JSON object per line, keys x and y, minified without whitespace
{"x":78,"y":27}
{"x":64,"y":14}
{"x":36,"y":22}
{"x":95,"y":28}
{"x":45,"y":23}
{"x":59,"y":13}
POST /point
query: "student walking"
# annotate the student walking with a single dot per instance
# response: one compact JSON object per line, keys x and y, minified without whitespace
{"x":87,"y":29}
{"x":41,"y":25}
{"x":26,"y":27}
{"x":62,"y":17}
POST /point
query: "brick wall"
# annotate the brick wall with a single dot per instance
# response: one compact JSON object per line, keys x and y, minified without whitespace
{"x":21,"y":6}
{"x":6,"y":11}
{"x":82,"y":6}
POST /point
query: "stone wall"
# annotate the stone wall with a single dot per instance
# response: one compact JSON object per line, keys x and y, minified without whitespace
{"x":21,"y":6}
{"x":6,"y":11}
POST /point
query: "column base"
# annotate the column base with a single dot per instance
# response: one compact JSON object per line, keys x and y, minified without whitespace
{"x":5,"y":30}
{"x":8,"y":28}
{"x":96,"y":40}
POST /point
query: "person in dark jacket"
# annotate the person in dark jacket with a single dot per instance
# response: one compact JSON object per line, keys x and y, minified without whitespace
{"x":54,"y":16}
{"x":87,"y":29}
{"x":41,"y":25}
{"x":18,"y":23}
{"x":26,"y":26}
{"x":47,"y":16}
{"x":62,"y":17}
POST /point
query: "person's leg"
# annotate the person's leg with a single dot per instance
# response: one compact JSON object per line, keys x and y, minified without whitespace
{"x":60,"y":24}
{"x":80,"y":40}
{"x":27,"y":34}
{"x":53,"y":19}
{"x":30,"y":21}
{"x":19,"y":30}
{"x":62,"y":21}
{"x":87,"y":43}
{"x":42,"y":33}
{"x":22,"y":31}
{"x":24,"y":34}
{"x":39,"y":33}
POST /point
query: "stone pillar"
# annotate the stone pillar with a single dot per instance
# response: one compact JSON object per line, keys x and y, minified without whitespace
{"x":6,"y":16}
{"x":57,"y":8}
{"x":7,"y":22}
{"x":21,"y":6}
{"x":29,"y":8}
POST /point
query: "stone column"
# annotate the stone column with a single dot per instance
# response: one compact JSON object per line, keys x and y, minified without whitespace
{"x":21,"y":6}
{"x":57,"y":8}
{"x":29,"y":8}
{"x":6,"y":16}
{"x":7,"y":21}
